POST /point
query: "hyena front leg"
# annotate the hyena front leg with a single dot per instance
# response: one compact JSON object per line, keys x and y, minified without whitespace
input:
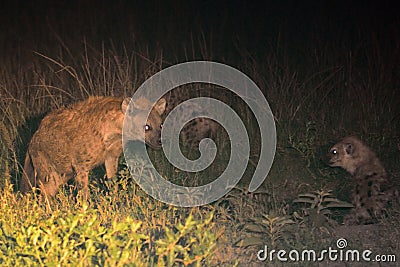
{"x":111,"y":164}
{"x":82,"y":180}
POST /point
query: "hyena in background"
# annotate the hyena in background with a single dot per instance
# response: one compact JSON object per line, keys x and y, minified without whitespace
{"x":372,"y":188}
{"x":198,"y":128}
{"x":73,"y":140}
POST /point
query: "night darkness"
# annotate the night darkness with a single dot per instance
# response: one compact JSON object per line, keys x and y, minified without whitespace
{"x":169,"y":25}
{"x":328,"y":69}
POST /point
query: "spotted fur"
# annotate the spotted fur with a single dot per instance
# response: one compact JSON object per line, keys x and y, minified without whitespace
{"x":372,"y":189}
{"x":198,"y":128}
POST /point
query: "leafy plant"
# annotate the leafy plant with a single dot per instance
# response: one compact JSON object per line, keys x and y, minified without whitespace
{"x":188,"y":244}
{"x":77,"y":240}
{"x":319,"y":205}
{"x":272,"y":227}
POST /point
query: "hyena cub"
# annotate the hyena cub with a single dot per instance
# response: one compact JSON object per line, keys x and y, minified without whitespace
{"x":73,"y":140}
{"x":372,"y":189}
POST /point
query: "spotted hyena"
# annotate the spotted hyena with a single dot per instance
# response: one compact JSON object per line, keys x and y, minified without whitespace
{"x":196,"y":129}
{"x":372,"y":189}
{"x":73,"y":140}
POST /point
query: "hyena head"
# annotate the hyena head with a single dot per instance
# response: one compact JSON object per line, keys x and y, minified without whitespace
{"x":135,"y":115}
{"x":347,"y":154}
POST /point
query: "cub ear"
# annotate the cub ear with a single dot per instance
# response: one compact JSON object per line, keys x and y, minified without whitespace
{"x":125,"y":104}
{"x":349,"y":148}
{"x":160,"y":106}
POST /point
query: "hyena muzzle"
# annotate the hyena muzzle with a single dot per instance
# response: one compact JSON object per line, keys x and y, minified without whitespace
{"x":73,"y":140}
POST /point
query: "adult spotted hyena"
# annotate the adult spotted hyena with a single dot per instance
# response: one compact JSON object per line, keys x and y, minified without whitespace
{"x":73,"y":140}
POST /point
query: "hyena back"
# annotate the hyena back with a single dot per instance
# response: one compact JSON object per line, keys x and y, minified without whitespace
{"x":73,"y":140}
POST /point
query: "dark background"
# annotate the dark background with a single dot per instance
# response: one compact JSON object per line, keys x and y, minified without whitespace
{"x":227,"y":26}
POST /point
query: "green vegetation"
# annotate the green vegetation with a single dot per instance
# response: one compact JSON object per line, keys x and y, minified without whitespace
{"x":70,"y":233}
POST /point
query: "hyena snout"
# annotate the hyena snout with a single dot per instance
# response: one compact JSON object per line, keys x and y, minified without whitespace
{"x":154,"y":139}
{"x":332,"y":157}
{"x":154,"y":125}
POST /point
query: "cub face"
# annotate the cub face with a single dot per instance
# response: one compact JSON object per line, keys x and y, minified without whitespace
{"x":339,"y":153}
{"x":344,"y":155}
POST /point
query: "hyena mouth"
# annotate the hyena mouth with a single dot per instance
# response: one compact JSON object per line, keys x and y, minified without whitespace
{"x":155,"y":145}
{"x":334,"y":162}
{"x":330,"y":160}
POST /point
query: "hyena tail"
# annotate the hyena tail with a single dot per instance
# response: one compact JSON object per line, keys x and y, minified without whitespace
{"x":28,"y":180}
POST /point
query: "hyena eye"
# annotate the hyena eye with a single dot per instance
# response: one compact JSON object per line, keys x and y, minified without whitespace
{"x":334,"y":151}
{"x":147,"y":127}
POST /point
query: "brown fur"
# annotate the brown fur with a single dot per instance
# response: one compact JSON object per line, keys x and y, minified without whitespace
{"x":73,"y":140}
{"x":372,"y":189}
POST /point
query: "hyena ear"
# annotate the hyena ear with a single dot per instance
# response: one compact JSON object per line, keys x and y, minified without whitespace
{"x":160,"y":106}
{"x":125,"y":104}
{"x":349,"y":148}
